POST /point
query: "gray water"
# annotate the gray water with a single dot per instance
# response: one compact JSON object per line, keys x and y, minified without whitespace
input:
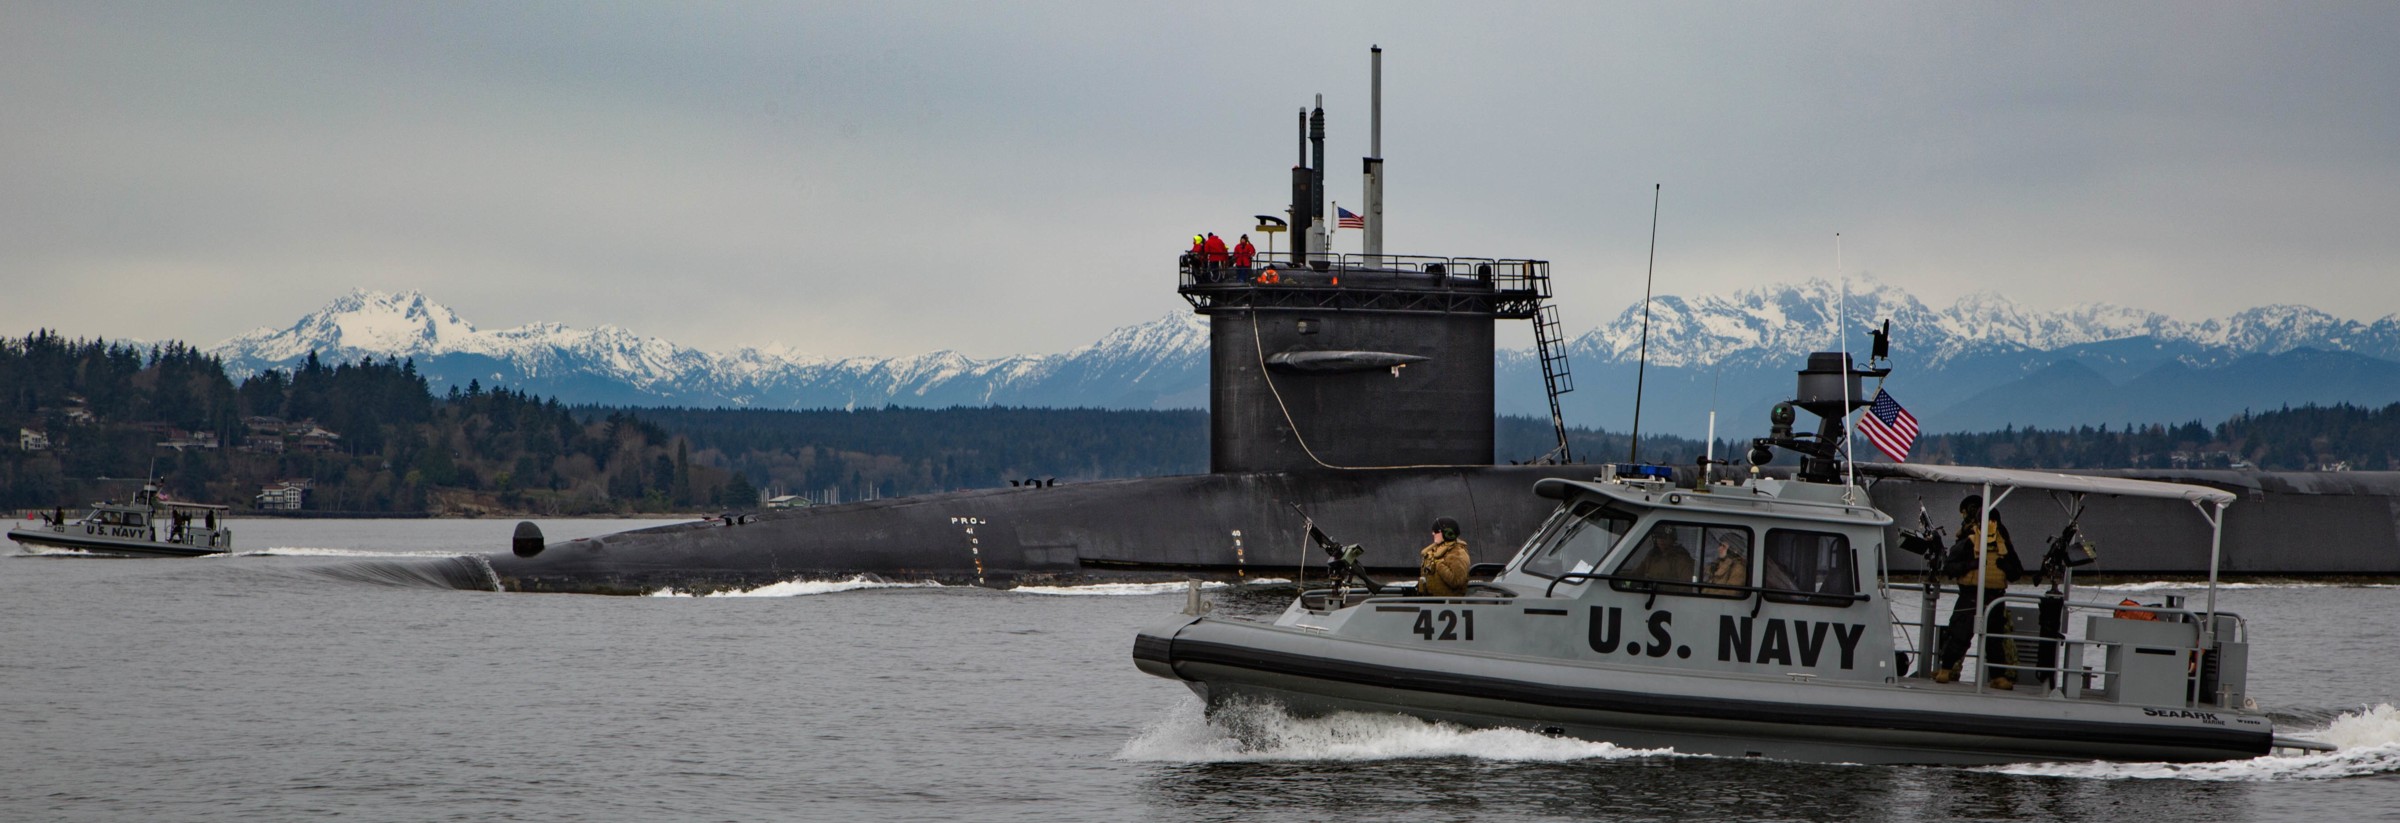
{"x":336,"y":674}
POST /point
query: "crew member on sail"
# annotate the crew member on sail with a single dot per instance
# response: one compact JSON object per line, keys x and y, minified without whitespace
{"x":1985,"y":570}
{"x":1443,"y":568}
{"x":1213,"y":247}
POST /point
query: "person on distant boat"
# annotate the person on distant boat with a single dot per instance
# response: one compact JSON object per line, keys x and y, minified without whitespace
{"x":1443,"y":565}
{"x":1215,"y":251}
{"x":1730,"y":565}
{"x":1243,"y":253}
{"x":1988,"y":578}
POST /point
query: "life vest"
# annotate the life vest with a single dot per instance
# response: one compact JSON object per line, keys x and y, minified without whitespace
{"x":2130,"y":614}
{"x":1269,"y":277}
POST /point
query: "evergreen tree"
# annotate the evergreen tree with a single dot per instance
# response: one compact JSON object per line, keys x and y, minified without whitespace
{"x":738,"y":493}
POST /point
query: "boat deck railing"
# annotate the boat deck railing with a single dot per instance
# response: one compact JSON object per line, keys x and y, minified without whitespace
{"x":1323,"y":601}
{"x":1506,"y":288}
{"x":218,"y":538}
{"x":2070,"y":676}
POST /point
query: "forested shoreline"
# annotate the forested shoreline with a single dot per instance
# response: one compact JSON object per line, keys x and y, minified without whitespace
{"x":87,"y":419}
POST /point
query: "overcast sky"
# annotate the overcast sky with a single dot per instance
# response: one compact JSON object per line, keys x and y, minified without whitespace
{"x":895,"y":178}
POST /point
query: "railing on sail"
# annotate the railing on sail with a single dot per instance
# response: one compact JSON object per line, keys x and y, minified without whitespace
{"x":1551,"y":347}
{"x":1504,"y":288}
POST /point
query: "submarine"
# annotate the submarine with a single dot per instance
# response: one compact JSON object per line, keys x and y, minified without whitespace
{"x":1353,"y":395}
{"x":1354,"y":388}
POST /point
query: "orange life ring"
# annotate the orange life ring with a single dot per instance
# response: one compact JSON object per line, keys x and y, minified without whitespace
{"x":1269,"y":277}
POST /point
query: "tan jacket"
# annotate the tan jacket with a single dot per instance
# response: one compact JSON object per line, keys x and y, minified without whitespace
{"x":1444,"y":569}
{"x":1733,"y":570}
{"x":1991,"y":550}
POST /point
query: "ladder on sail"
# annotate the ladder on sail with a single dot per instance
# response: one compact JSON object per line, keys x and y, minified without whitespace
{"x":1552,"y":349}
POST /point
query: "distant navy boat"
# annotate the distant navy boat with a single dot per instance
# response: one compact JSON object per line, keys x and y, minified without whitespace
{"x":193,"y":529}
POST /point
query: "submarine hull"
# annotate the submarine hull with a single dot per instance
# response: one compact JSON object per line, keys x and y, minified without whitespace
{"x":1241,"y":526}
{"x":1233,"y":526}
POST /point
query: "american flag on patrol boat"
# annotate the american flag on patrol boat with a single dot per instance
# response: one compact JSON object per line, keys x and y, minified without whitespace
{"x":1344,"y":219}
{"x":1891,"y":428}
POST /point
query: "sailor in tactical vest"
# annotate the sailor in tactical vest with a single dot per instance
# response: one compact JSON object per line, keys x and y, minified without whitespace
{"x":1972,"y":569}
{"x":1443,"y":565}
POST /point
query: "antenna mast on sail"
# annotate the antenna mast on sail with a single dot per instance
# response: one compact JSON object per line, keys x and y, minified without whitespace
{"x":1373,"y":244}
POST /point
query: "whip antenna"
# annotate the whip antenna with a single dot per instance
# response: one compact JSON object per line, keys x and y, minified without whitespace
{"x":1841,"y":332}
{"x":1642,"y":368}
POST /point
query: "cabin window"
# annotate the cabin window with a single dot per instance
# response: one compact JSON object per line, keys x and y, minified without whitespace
{"x":1803,"y":566}
{"x":1688,"y":553}
{"x":1577,"y":543}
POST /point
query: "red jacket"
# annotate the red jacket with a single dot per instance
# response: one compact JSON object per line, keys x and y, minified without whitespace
{"x":1242,"y":253}
{"x":1216,"y":249}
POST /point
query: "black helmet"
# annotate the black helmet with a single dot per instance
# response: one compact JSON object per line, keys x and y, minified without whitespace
{"x":1973,"y":503}
{"x":1446,"y":527}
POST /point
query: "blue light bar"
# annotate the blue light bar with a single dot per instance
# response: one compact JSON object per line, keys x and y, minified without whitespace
{"x":1645,"y":470}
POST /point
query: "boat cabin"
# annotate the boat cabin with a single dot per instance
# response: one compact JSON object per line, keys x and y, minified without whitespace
{"x":112,"y":520}
{"x":1774,"y":578}
{"x":1765,"y":578}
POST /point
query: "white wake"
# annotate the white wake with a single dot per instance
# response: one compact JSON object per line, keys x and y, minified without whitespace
{"x":1264,"y":732}
{"x":2185,"y":585}
{"x":1125,"y":589}
{"x":802,"y":588}
{"x":2368,"y":742}
{"x":312,"y":551}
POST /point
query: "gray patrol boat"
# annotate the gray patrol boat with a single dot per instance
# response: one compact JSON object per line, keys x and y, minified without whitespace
{"x":131,"y":529}
{"x":1757,"y":616}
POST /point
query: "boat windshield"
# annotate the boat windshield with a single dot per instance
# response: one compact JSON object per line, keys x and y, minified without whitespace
{"x":1577,"y":542}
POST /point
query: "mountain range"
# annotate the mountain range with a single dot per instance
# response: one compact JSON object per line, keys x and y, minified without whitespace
{"x":1982,"y":363}
{"x":1161,"y":364}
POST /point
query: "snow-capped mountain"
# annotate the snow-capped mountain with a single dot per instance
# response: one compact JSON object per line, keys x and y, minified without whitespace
{"x":1982,"y":363}
{"x":359,"y":324}
{"x":1772,"y":323}
{"x":1153,"y":364}
{"x":1979,"y":363}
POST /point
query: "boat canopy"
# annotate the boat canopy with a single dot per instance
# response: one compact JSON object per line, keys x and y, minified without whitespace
{"x":2024,"y":479}
{"x":177,"y":504}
